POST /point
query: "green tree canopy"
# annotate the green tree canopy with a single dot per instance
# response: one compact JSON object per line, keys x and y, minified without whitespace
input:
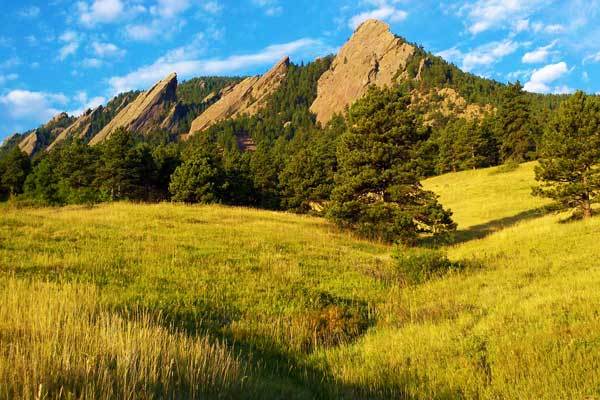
{"x":377,"y":189}
{"x":14,"y":168}
{"x":569,"y":169}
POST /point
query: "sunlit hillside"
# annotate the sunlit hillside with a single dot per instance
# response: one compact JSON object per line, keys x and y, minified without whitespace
{"x":173,"y":301}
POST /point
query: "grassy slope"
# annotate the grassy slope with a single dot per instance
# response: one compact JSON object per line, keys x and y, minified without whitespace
{"x":525,"y":326}
{"x":289,"y":291}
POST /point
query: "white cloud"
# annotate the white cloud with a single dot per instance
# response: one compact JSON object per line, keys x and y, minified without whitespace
{"x":595,"y":57}
{"x":141,"y":32}
{"x":91,"y":62}
{"x":107,"y":50}
{"x":539,"y":55}
{"x":71,"y":40}
{"x":180,"y":62}
{"x":170,"y":8}
{"x":452,"y":55}
{"x":37,"y":106}
{"x":212,"y":7}
{"x":271,"y":7}
{"x":485,"y":15}
{"x":8,"y":78}
{"x":384,"y":10}
{"x":86,"y":103}
{"x":100,"y":11}
{"x":542,"y":78}
{"x":488,"y":54}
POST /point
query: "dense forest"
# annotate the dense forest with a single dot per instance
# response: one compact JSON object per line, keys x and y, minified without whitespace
{"x":374,"y":154}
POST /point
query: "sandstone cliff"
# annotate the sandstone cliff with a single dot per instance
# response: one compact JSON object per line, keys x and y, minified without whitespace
{"x":247,"y":97}
{"x":39,"y":138}
{"x":146,"y":113}
{"x":372,"y":56}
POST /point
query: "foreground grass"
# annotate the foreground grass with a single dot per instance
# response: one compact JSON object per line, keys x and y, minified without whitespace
{"x":301,"y":310}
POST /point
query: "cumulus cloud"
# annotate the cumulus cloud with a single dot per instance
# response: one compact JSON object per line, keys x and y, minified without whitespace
{"x":179,"y":61}
{"x":594,"y":57}
{"x":542,"y":78}
{"x":106,"y":11}
{"x":36,"y":106}
{"x":482,"y":56}
{"x":169,"y":8}
{"x":539,"y":55}
{"x":380,"y":9}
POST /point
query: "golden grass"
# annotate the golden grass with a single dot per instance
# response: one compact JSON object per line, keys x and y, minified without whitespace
{"x":58,"y":342}
{"x":298,"y":308}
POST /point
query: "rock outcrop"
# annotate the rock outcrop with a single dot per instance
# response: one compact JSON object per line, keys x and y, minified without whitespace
{"x":39,"y":138}
{"x":81,"y":128}
{"x":146,"y":113}
{"x":372,"y":56}
{"x":247,"y":97}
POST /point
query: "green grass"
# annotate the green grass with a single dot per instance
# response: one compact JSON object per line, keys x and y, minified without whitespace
{"x":297,"y":308}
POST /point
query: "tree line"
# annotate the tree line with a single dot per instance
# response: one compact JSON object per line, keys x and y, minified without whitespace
{"x":363,"y":169}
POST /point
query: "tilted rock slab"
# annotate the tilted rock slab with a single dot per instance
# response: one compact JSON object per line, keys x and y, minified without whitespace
{"x":372,"y":56}
{"x":247,"y":97}
{"x":146,"y":112}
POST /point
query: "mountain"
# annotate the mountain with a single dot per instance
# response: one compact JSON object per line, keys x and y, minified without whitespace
{"x":149,"y":111}
{"x":41,"y":137}
{"x":288,"y":96}
{"x":372,"y":56}
{"x":247,"y":97}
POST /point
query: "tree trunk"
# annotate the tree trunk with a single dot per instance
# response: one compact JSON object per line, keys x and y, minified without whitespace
{"x":586,"y":207}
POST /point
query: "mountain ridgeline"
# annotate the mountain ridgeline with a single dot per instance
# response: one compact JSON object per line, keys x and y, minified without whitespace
{"x":273,"y":141}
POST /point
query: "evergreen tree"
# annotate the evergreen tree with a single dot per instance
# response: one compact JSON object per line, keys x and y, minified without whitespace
{"x":516,"y":129}
{"x":124,"y":168}
{"x":377,"y":190}
{"x":569,"y":168}
{"x":198,"y":179}
{"x":14,"y":168}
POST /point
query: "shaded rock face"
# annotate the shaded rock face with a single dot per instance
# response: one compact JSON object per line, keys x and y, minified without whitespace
{"x":247,"y":97}
{"x":146,"y":112}
{"x":372,"y":56}
{"x":81,"y":128}
{"x":40,"y":137}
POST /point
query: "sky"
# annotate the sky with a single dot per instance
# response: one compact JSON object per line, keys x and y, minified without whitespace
{"x":65,"y":55}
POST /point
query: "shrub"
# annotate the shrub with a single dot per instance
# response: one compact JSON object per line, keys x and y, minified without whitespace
{"x":418,"y":265}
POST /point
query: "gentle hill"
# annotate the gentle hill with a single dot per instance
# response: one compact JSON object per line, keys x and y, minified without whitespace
{"x":304,"y":310}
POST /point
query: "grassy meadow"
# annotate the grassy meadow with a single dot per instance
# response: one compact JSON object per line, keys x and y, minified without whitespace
{"x":170,"y":301}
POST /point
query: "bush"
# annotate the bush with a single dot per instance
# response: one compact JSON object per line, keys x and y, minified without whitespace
{"x":418,"y":265}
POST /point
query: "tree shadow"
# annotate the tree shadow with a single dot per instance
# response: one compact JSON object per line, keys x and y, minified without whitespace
{"x":483,"y":230}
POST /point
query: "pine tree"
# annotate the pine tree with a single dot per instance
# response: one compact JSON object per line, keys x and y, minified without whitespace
{"x":516,"y":129}
{"x":377,"y":190}
{"x":198,"y":179}
{"x":569,"y":169}
{"x":14,"y":170}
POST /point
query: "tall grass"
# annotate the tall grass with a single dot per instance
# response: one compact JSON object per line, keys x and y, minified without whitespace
{"x":57,"y":342}
{"x":170,"y":301}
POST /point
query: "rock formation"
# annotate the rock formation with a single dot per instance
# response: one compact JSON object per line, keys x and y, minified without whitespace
{"x":146,"y":113}
{"x":372,"y":56}
{"x":247,"y":97}
{"x":39,"y":138}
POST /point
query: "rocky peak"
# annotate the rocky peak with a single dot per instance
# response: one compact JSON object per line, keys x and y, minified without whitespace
{"x":146,"y":112}
{"x":247,"y":97}
{"x":372,"y":56}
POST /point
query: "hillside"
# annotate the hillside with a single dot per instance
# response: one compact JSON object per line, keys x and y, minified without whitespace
{"x":300,"y":308}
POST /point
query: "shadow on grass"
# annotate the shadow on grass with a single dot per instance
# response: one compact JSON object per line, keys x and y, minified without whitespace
{"x":483,"y":230}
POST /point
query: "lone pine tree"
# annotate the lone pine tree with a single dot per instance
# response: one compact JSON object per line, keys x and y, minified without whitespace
{"x":377,"y":190}
{"x":569,"y":169}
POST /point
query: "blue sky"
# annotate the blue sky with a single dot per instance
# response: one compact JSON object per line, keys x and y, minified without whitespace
{"x":64,"y":55}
